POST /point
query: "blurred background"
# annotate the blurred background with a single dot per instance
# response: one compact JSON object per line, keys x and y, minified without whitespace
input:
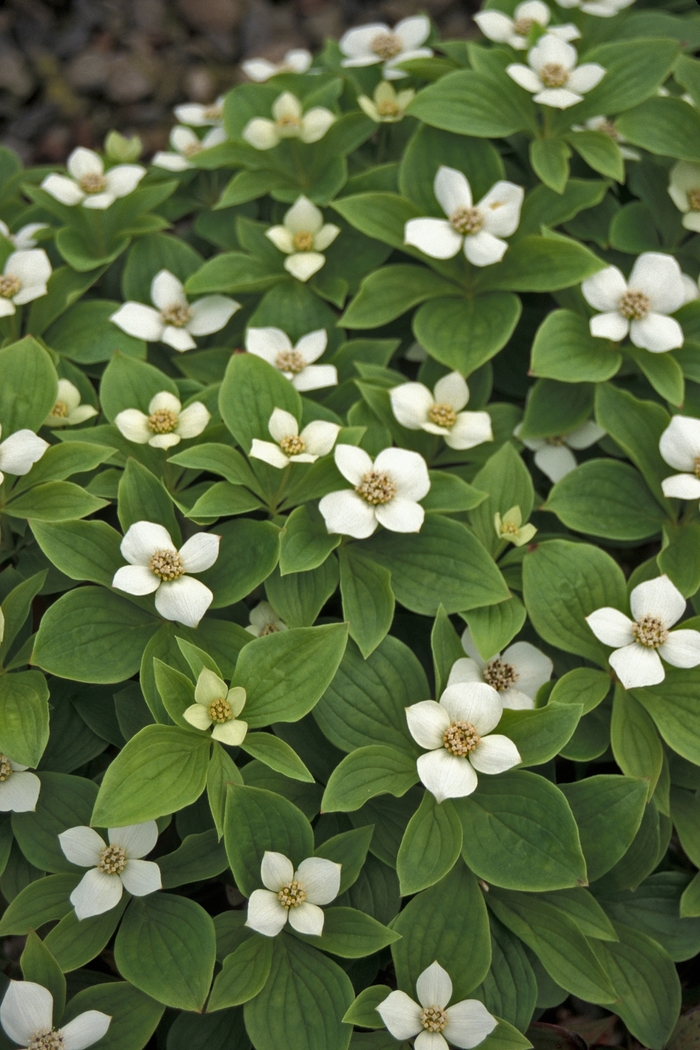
{"x":72,"y":69}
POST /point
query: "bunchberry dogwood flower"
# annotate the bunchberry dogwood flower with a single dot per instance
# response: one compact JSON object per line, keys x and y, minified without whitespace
{"x":290,"y":122}
{"x":303,"y":237}
{"x":25,"y":237}
{"x":385,"y":492}
{"x":387,"y":105}
{"x":292,"y":896}
{"x":639,"y":306}
{"x":195,"y":115}
{"x":553,"y":455}
{"x":289,"y":446}
{"x":516,"y":675}
{"x":174,"y":320}
{"x":640,"y":642}
{"x":609,"y":128}
{"x":90,"y":185}
{"x":19,"y":789}
{"x":19,"y":452}
{"x":552,"y":75}
{"x":499,"y":27}
{"x":374,"y":43}
{"x":441,"y":412}
{"x":294,"y":360}
{"x":68,"y":412}
{"x":218,"y":706}
{"x":185,"y":144}
{"x":478,"y":229}
{"x":601,"y":8}
{"x":23,"y":280}
{"x":435,"y":1024}
{"x":264,"y":620}
{"x":510,"y":527}
{"x":113,"y":868}
{"x":684,"y":190}
{"x":680,"y":447}
{"x":456,"y":733}
{"x":166,"y":424}
{"x":26,"y":1015}
{"x":297,"y":60}
{"x":155,"y":564}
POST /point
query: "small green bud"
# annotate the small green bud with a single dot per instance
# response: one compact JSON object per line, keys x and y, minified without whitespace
{"x":121,"y":149}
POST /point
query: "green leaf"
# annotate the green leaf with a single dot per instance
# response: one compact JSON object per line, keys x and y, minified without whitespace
{"x":430,"y":847}
{"x":144,"y":497}
{"x":543,"y":206}
{"x":509,"y":989}
{"x":219,"y":459}
{"x":634,"y":70}
{"x":305,"y":542}
{"x":381,"y":216}
{"x":251,"y":391}
{"x":540,"y":734}
{"x":38,"y":965}
{"x":494,"y":626}
{"x":663,"y":372}
{"x":54,"y":501}
{"x":606,"y":498}
{"x":197,"y":858}
{"x":608,"y":810}
{"x":363,"y":1011}
{"x":600,"y":152}
{"x":634,"y":740}
{"x":666,"y":126}
{"x":391,"y":291}
{"x":28,"y":388}
{"x":128,"y":383}
{"x":679,"y":557}
{"x":64,"y":802}
{"x":41,"y":901}
{"x":565,"y":350}
{"x":465,"y":333}
{"x":84,"y":333}
{"x":351,"y":934}
{"x":232,"y":577}
{"x":349,"y":849}
{"x":242,"y":975}
{"x":276,"y":754}
{"x":469,"y":103}
{"x":550,"y":162}
{"x":299,"y":597}
{"x":446,"y":647}
{"x":134,"y":1015}
{"x":637,"y":427}
{"x":507,"y":480}
{"x":24,"y":716}
{"x":541,"y":264}
{"x":584,"y":686}
{"x":368,"y":600}
{"x":365,"y":773}
{"x":75,"y":942}
{"x":16,"y":607}
{"x":60,"y":461}
{"x":675,"y":713}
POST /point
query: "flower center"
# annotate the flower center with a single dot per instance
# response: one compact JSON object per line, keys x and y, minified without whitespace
{"x":303,"y":241}
{"x":162,"y":421}
{"x":46,"y":1041}
{"x":192,"y":148}
{"x":292,"y":895}
{"x":694,"y":200}
{"x":5,"y":768}
{"x":634,"y":305}
{"x":167,"y":565}
{"x":388,"y":108}
{"x":509,"y":528}
{"x":608,"y":128}
{"x":9,"y":285}
{"x":213,"y":112}
{"x":290,"y":361}
{"x":555,"y":440}
{"x":60,"y":410}
{"x":220,"y":711}
{"x":177,"y":315}
{"x":293,"y":445}
{"x":522,"y":26}
{"x":288,"y":121}
{"x":112,"y":860}
{"x":442,"y":415}
{"x":650,"y":632}
{"x":466,"y":220}
{"x":460,"y":739}
{"x":433,"y":1018}
{"x":269,"y":628}
{"x":553,"y":75}
{"x":500,"y":675}
{"x":376,"y":487}
{"x":93,"y":182}
{"x":386,"y":45}
{"x":696,"y":467}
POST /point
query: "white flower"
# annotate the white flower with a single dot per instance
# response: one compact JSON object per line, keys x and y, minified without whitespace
{"x":464,"y":1024}
{"x":297,"y":60}
{"x":289,"y":446}
{"x":156,"y":565}
{"x":195,"y":115}
{"x":294,"y":361}
{"x":516,"y":674}
{"x":219,"y":706}
{"x":656,"y":605}
{"x":476,"y":228}
{"x":553,"y":455}
{"x":186,"y":144}
{"x":370,"y":44}
{"x":552,"y":75}
{"x":691,"y":289}
{"x":302,"y":237}
{"x":26,"y":1015}
{"x":166,"y":424}
{"x":264,"y":620}
{"x":387,"y":105}
{"x":684,"y":190}
{"x":609,"y":128}
{"x":24,"y":279}
{"x":680,"y":447}
{"x":175,"y":320}
{"x":19,"y":789}
{"x":514,"y":31}
{"x":511,"y":529}
{"x":113,"y":868}
{"x":19,"y":452}
{"x":638,"y":307}
{"x":441,"y":412}
{"x":68,"y":412}
{"x":663,"y":92}
{"x":455,"y":733}
{"x":601,"y":8}
{"x":291,"y":895}
{"x":290,"y":122}
{"x":24,"y":238}
{"x":91,"y":185}
{"x":385,"y":492}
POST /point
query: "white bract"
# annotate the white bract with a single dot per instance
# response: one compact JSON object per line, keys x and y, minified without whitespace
{"x":166,"y":423}
{"x":289,"y":446}
{"x":297,"y":60}
{"x":609,"y":128}
{"x":640,"y":642}
{"x":155,"y":564}
{"x":19,"y":452}
{"x":303,"y":237}
{"x":172,"y":319}
{"x":23,"y":280}
{"x":25,"y":236}
{"x":515,"y":31}
{"x":639,"y":306}
{"x":292,"y":896}
{"x":387,"y":105}
{"x":457,"y":735}
{"x":552,"y":75}
{"x":26,"y":1015}
{"x":113,"y":868}
{"x":601,"y":8}
{"x":218,"y":706}
{"x":691,"y":289}
{"x":553,"y":455}
{"x":68,"y":412}
{"x":385,"y":492}
{"x":478,"y":229}
{"x":185,"y":145}
{"x":684,"y":190}
{"x":195,"y":115}
{"x":680,"y":447}
{"x":264,"y":620}
{"x":19,"y":790}
{"x":294,"y":360}
{"x":90,"y":185}
{"x":441,"y":412}
{"x":516,"y":674}
{"x":374,"y":43}
{"x":431,"y":1020}
{"x":290,"y":122}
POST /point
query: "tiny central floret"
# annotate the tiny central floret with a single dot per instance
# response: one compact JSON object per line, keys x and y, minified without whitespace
{"x":634,"y":305}
{"x":293,"y":445}
{"x":167,"y":564}
{"x":303,"y":241}
{"x":388,"y":108}
{"x":288,"y":121}
{"x":696,"y":466}
{"x":5,"y":768}
{"x":290,"y":361}
{"x":608,"y":128}
{"x":60,"y":409}
{"x":554,"y":75}
{"x":220,"y":711}
{"x":292,"y":895}
{"x":376,"y":487}
{"x":269,"y":628}
{"x":522,"y":26}
{"x":460,"y":740}
{"x":46,"y":1041}
{"x":500,"y":675}
{"x":556,"y":440}
{"x":93,"y":182}
{"x":650,"y":631}
{"x":162,"y":421}
{"x":466,"y":220}
{"x":192,"y":148}
{"x":215,"y":112}
{"x":386,"y":45}
{"x":509,"y":528}
{"x":442,"y":415}
{"x":112,"y":860}
{"x":177,"y":315}
{"x":9,"y":285}
{"x":694,"y":200}
{"x":433,"y":1018}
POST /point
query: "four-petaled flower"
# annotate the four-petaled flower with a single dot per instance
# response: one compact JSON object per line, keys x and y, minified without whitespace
{"x":680,"y":447}
{"x":478,"y":229}
{"x":297,"y":60}
{"x":639,"y":306}
{"x":294,"y":360}
{"x":553,"y":455}
{"x":510,"y":528}
{"x":292,"y":896}
{"x":26,"y":1015}
{"x":113,"y":868}
{"x":264,"y":620}
{"x":25,"y":237}
{"x":552,"y":75}
{"x":431,"y":1020}
{"x":454,"y":733}
{"x":370,"y":44}
{"x":196,"y":115}
{"x":516,"y":674}
{"x":24,"y":279}
{"x":68,"y":412}
{"x":303,"y":237}
{"x":155,"y":564}
{"x":90,"y":185}
{"x":172,"y":319}
{"x":185,"y":145}
{"x":515,"y":31}
{"x":290,"y":122}
{"x":19,"y":789}
{"x":387,"y":105}
{"x":218,"y":706}
{"x":639,"y":643}
{"x":609,"y":127}
{"x":166,"y":424}
{"x":441,"y":412}
{"x":19,"y":452}
{"x":385,"y":492}
{"x":316,"y":439}
{"x":684,"y":190}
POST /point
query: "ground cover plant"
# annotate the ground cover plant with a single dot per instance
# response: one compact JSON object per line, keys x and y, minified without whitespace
{"x":350,"y":631}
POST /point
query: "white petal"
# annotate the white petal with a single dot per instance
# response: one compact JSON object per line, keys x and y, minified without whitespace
{"x":659,"y":598}
{"x":659,"y":277}
{"x":185,"y":600}
{"x":179,"y":338}
{"x":637,"y":666}
{"x":124,"y":179}
{"x":19,"y":793}
{"x":555,"y":461}
{"x":495,"y":25}
{"x":325,"y":236}
{"x":303,"y":217}
{"x":265,"y":913}
{"x":136,"y":579}
{"x":494,"y":754}
{"x":516,"y":700}
{"x":211,"y":314}
{"x":469,"y":646}
{"x":286,"y":105}
{"x":681,"y":486}
{"x":434,"y":987}
{"x":500,"y":208}
{"x":312,"y":345}
{"x":483,"y":249}
{"x":27,"y":1008}
{"x":85,"y":1029}
{"x":411,"y":403}
{"x":32,"y":267}
{"x":313,"y":377}
{"x":297,"y":60}
{"x":584,"y":78}
{"x":533,"y":667}
{"x":558,"y":98}
{"x":63,"y":189}
{"x":401,"y":1015}
{"x":282,"y":238}
{"x":68,"y":393}
{"x":96,"y":893}
{"x":192,"y":420}
{"x":133,"y":424}
{"x":427,"y":723}
{"x":468,"y":1023}
{"x":524,"y":77}
{"x":609,"y":326}
{"x":681,"y":649}
{"x":137,"y":839}
{"x":7,"y":308}
{"x":20,"y":451}
{"x":141,"y":877}
{"x":352,"y":462}
{"x":585,"y":435}
{"x":357,"y":43}
{"x":231,"y":733}
{"x":276,"y":870}
{"x":270,"y":453}
{"x":466,"y":670}
{"x":82,"y":162}
{"x":430,"y":1041}
{"x":139,"y":320}
{"x":680,"y":443}
{"x":434,"y":237}
{"x":657,"y":333}
{"x":452,"y":390}
{"x":549,"y":49}
{"x":258,"y":69}
{"x":316,"y":123}
{"x":604,"y":289}
{"x":171,"y":161}
{"x":473,"y":702}
{"x":407,"y":469}
{"x":304,"y":265}
{"x":200,"y":552}
{"x":319,"y":437}
{"x":261,"y":133}
{"x":470,"y":429}
{"x":167,"y":290}
{"x":320,"y":878}
{"x":267,"y":343}
{"x":610,"y":626}
{"x":400,"y":515}
{"x":282,"y":424}
{"x":81,"y":846}
{"x":197,"y":716}
{"x":452,"y":190}
{"x":413,"y":31}
{"x":445,"y":775}
{"x":307,"y":918}
{"x":347,"y":514}
{"x":142,"y":540}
